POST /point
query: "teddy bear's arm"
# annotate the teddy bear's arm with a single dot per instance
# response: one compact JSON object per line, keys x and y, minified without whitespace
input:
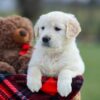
{"x":5,"y":67}
{"x":23,"y":61}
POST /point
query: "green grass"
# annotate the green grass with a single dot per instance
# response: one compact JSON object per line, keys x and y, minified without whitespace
{"x":91,"y":57}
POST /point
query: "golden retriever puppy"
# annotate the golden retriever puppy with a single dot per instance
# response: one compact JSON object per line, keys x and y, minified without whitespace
{"x":56,"y":53}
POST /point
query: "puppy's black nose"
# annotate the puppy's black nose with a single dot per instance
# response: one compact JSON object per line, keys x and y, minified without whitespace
{"x":46,"y":39}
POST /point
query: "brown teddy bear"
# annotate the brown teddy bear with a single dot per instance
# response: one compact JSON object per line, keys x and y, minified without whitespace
{"x":16,"y":35}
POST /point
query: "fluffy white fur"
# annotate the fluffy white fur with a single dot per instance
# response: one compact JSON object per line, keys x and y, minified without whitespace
{"x":61,"y":58}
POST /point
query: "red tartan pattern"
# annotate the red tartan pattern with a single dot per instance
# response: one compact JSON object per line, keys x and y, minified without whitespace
{"x":13,"y":87}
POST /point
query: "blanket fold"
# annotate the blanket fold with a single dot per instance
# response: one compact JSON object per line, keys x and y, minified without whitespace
{"x":13,"y":87}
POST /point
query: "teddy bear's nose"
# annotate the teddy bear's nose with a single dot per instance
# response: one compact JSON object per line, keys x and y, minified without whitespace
{"x":22,"y":33}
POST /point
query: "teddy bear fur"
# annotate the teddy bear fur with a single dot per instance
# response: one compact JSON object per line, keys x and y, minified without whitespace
{"x":15,"y":31}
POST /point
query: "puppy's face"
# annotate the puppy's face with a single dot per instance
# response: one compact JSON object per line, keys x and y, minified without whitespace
{"x":55,"y":29}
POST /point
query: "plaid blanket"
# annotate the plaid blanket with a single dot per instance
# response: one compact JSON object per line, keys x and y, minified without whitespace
{"x":13,"y":87}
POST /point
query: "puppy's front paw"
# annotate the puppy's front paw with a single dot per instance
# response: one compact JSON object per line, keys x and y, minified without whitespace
{"x":34,"y":84}
{"x":64,"y":88}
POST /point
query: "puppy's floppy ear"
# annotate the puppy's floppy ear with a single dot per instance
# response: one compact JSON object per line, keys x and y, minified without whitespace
{"x":36,"y":30}
{"x":36,"y":27}
{"x":73,"y":27}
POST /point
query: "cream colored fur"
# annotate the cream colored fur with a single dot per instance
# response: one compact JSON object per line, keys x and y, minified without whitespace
{"x":62,"y":58}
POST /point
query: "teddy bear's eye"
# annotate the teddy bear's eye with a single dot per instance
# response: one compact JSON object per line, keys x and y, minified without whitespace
{"x":42,"y":27}
{"x":57,"y":28}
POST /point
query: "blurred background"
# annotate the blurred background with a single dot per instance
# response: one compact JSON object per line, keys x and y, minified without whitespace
{"x":88,"y":14}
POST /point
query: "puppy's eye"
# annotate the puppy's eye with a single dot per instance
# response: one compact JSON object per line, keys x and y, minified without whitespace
{"x":42,"y":27}
{"x":57,"y":29}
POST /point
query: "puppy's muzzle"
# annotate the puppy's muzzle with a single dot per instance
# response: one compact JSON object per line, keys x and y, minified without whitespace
{"x":46,"y":41}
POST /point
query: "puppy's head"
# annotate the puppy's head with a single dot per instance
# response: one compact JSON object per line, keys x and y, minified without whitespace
{"x":55,"y":29}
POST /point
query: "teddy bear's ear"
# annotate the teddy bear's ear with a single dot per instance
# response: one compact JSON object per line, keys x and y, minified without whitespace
{"x":73,"y":27}
{"x":1,"y":20}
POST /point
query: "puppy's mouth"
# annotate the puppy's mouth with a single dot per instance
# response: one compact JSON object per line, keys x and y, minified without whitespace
{"x":46,"y":45}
